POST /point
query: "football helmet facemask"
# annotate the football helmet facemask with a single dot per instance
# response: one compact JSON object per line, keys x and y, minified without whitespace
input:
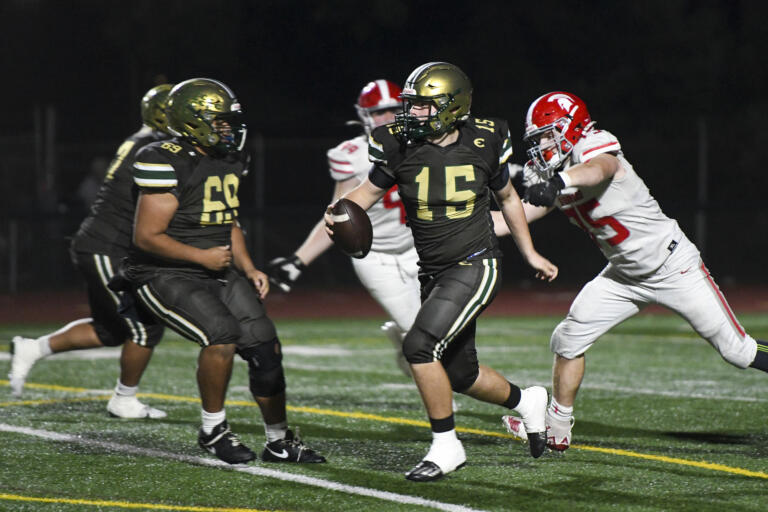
{"x":376,"y":96}
{"x":555,"y":122}
{"x":206,"y":113}
{"x":445,"y":89}
{"x":153,"y":107}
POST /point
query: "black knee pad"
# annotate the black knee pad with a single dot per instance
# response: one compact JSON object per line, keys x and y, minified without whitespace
{"x":462,"y":376}
{"x":418,"y":345}
{"x":109,"y":336}
{"x":265,"y":368}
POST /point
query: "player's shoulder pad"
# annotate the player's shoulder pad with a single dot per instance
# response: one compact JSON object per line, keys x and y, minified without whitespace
{"x":381,"y":142}
{"x":154,"y":164}
{"x":347,"y":158}
{"x":595,"y":142}
{"x":490,"y":133}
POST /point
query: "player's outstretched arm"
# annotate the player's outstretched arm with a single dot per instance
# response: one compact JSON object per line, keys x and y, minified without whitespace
{"x":286,"y":270}
{"x":514,"y":215}
{"x":593,"y":172}
{"x":532,"y":213}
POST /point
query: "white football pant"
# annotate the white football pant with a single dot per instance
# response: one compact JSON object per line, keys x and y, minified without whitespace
{"x":392,"y":280}
{"x":682,"y":284}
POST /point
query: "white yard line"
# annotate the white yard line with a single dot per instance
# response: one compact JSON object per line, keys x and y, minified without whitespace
{"x":253,"y":470}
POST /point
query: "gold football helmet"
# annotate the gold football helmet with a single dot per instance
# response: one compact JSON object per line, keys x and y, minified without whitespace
{"x":153,"y":107}
{"x":206,"y":113}
{"x":440,"y":85}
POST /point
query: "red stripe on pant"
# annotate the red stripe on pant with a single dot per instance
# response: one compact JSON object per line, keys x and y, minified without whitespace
{"x":723,"y":301}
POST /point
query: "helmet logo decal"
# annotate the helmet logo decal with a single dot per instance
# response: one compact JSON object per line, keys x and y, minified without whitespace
{"x":565,"y":102}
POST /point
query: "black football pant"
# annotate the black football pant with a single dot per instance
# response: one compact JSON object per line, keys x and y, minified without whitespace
{"x":444,"y":329}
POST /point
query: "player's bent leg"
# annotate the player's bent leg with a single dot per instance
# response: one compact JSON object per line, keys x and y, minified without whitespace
{"x":124,"y":403}
{"x":266,"y":381}
{"x":25,"y":352}
{"x":391,"y":281}
{"x":444,"y":456}
{"x":695,"y":296}
{"x":396,"y":335}
{"x":530,"y":403}
{"x":760,"y":362}
{"x":225,"y":444}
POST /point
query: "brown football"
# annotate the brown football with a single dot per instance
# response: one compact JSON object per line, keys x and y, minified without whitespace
{"x":352,"y":230}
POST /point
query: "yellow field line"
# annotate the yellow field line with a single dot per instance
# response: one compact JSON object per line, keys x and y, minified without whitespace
{"x":123,"y":504}
{"x":404,"y":421}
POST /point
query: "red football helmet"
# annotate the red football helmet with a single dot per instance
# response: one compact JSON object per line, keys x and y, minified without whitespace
{"x":554,"y":124}
{"x":377,"y":95}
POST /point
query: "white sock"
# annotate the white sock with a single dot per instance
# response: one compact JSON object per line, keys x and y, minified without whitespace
{"x":526,"y":402}
{"x":446,"y":451}
{"x":561,"y":412}
{"x":211,"y":419}
{"x":44,"y":345}
{"x":276,"y":431}
{"x":444,"y":437}
{"x":125,"y":391}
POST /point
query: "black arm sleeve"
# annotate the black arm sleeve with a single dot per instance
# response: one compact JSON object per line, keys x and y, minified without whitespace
{"x":381,"y":177}
{"x":499,"y":181}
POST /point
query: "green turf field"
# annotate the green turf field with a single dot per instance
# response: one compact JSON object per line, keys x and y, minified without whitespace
{"x":662,"y":423}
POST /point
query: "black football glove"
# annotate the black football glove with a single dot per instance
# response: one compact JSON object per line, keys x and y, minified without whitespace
{"x":545,"y":193}
{"x":283,"y":272}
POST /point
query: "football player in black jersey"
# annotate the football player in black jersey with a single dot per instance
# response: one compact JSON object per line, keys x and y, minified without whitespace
{"x":101,"y":242}
{"x":446,"y":163}
{"x":191,"y":268}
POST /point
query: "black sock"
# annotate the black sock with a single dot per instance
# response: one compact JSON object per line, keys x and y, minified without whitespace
{"x":761,"y":358}
{"x":513,"y":399}
{"x":442,"y":425}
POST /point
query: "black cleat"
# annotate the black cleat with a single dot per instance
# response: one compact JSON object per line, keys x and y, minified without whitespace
{"x":537,"y":442}
{"x":224,"y":444}
{"x":290,"y":449}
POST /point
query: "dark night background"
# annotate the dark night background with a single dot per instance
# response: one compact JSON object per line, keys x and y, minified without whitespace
{"x":681,"y":83}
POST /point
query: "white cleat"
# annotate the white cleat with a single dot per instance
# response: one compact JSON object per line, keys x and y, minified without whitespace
{"x":129,"y":407}
{"x":24,"y":353}
{"x":442,"y":458}
{"x":395,"y":335}
{"x":514,"y":426}
{"x":559,"y":433}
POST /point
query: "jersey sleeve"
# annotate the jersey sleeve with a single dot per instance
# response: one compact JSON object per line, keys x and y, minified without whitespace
{"x":376,"y":152}
{"x":152,"y":169}
{"x":381,"y":175}
{"x":595,"y":143}
{"x":349,"y":159}
{"x":500,"y":176}
{"x":506,"y":145}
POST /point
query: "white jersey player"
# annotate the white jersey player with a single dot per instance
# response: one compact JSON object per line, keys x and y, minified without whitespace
{"x":582,"y":171}
{"x":389,"y":271}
